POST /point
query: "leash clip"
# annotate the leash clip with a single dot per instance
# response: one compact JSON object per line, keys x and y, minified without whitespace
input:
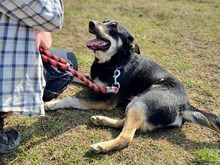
{"x":111,"y":89}
{"x":117,"y":73}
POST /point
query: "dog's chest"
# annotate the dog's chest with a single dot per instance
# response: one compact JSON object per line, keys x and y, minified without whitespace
{"x":99,"y":82}
{"x":101,"y":76}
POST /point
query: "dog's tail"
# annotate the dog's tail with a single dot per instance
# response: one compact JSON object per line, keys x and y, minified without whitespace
{"x":197,"y":116}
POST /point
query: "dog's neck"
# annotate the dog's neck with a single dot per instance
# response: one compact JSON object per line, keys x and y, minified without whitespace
{"x":116,"y":62}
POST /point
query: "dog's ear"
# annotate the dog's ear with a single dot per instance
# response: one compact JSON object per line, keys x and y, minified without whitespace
{"x":134,"y":46}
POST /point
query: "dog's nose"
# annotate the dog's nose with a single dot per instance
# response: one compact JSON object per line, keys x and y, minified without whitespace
{"x":92,"y":24}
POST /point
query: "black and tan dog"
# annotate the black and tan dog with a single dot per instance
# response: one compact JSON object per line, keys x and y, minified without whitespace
{"x":158,"y":99}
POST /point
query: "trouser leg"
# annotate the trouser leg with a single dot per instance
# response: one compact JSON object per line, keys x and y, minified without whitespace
{"x":58,"y":80}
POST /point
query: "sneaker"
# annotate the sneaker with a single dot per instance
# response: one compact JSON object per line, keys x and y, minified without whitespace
{"x":9,"y":141}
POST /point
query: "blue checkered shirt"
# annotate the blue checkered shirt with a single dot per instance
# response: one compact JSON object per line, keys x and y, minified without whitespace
{"x":21,"y":71}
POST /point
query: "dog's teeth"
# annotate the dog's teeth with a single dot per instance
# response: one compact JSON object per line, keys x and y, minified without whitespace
{"x":102,"y":44}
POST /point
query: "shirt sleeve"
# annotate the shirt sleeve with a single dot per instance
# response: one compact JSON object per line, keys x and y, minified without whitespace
{"x":46,"y":15}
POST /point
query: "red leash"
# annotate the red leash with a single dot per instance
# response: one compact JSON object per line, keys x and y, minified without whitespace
{"x":61,"y":64}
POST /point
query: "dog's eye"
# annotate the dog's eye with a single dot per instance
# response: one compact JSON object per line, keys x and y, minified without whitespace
{"x":113,"y":26}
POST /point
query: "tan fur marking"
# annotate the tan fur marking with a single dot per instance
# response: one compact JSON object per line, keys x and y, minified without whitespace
{"x":146,"y":127}
{"x":134,"y":120}
{"x":96,"y":105}
{"x":106,"y":121}
{"x":101,"y":29}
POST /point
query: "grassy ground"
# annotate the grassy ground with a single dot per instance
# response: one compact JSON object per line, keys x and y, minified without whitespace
{"x":183,"y":36}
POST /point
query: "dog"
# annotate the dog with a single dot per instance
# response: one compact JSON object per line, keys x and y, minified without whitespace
{"x":152,"y":97}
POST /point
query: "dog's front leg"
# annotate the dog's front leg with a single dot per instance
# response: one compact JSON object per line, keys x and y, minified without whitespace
{"x":80,"y":103}
{"x":69,"y":102}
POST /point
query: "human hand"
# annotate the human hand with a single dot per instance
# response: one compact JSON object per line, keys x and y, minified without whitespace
{"x":43,"y":39}
{"x":6,"y":114}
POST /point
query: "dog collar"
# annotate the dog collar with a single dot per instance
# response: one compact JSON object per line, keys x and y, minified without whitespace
{"x":116,"y":67}
{"x":120,"y":67}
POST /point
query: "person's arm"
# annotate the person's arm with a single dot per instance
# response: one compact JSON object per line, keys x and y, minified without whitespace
{"x":45,"y":15}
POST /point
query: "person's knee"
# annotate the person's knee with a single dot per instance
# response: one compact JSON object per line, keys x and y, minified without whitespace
{"x":67,"y":55}
{"x":72,"y":60}
{"x":57,"y":80}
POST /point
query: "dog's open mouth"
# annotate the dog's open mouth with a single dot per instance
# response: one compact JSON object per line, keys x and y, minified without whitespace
{"x":98,"y":44}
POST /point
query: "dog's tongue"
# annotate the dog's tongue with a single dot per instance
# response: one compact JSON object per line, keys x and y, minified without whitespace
{"x":97,"y":44}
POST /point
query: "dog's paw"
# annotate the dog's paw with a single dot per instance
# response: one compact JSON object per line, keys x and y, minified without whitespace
{"x":98,"y":148}
{"x":49,"y":106}
{"x":97,"y":120}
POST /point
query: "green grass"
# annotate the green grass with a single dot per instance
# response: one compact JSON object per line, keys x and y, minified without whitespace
{"x":182,"y":36}
{"x":208,"y":156}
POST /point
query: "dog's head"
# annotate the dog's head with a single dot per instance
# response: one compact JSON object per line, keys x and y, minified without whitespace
{"x":111,"y":39}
